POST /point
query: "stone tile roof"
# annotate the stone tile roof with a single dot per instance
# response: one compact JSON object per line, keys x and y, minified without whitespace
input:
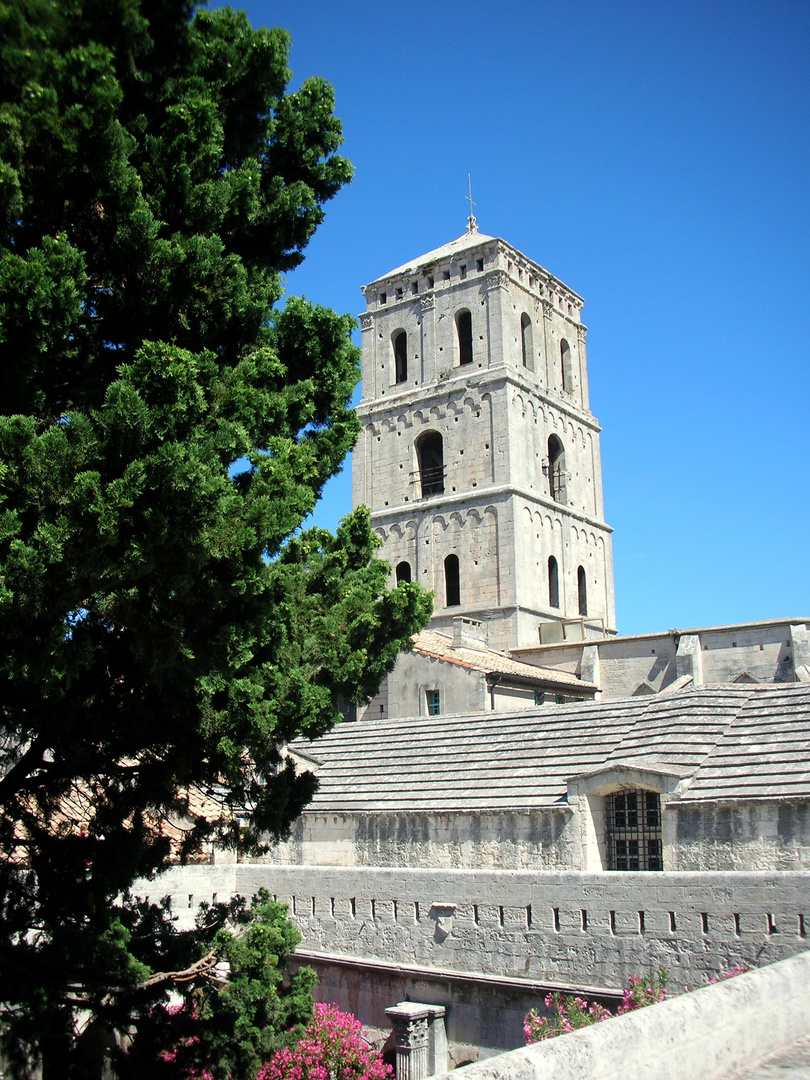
{"x":733,"y":742}
{"x":439,"y":646}
{"x":446,"y":251}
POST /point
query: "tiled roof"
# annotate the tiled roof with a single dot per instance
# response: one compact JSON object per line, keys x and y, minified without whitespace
{"x":733,"y":742}
{"x":439,"y":646}
{"x":446,"y":251}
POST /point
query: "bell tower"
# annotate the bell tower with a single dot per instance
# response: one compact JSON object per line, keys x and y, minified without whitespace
{"x":479,"y":456}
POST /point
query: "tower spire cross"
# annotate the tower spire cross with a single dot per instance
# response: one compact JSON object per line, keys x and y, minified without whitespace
{"x":472,"y":224}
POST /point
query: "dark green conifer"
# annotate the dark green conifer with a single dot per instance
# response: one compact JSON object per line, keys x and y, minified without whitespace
{"x":164,"y":625}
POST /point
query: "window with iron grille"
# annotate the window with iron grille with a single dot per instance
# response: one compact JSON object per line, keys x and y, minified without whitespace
{"x":430,"y":452}
{"x":633,"y":830}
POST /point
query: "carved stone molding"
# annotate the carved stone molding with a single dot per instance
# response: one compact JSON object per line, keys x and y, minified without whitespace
{"x":548,"y":309}
{"x":498,"y":279}
{"x":365,"y":321}
{"x":428,"y":301}
{"x":582,"y":333}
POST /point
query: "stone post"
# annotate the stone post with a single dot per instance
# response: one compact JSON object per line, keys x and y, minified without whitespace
{"x":689,"y":658}
{"x":420,"y":1039}
{"x":800,"y":652}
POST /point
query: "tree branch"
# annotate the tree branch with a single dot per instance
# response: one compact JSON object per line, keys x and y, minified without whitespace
{"x":16,"y":776}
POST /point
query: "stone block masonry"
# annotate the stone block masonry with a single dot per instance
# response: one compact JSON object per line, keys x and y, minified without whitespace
{"x":572,"y":929}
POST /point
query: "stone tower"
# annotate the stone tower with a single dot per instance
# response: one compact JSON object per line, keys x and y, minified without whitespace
{"x":479,"y":456}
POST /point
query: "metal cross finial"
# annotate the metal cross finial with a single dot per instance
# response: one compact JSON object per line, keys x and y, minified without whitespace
{"x":472,"y":224}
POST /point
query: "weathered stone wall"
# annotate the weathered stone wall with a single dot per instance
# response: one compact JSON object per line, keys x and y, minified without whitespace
{"x":542,"y":840}
{"x":766,"y":652}
{"x":744,"y":835}
{"x":566,"y":928}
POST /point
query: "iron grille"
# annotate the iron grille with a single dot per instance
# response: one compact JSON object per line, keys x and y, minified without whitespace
{"x":633,"y":830}
{"x":432,"y":479}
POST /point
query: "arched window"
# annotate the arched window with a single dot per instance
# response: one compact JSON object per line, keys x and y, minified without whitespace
{"x":452,"y":592}
{"x":556,"y":469}
{"x":403,"y":572}
{"x":633,"y":830}
{"x":465,"y":337}
{"x":430,"y":452}
{"x":401,"y":355}
{"x":582,"y":591}
{"x":565,"y":365}
{"x":526,"y":341}
{"x":553,"y":583}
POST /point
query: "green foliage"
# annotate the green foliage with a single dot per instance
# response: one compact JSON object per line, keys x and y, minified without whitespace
{"x":165,"y":625}
{"x":227,"y":1027}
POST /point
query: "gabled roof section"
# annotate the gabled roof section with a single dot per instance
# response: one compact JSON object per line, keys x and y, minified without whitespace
{"x":446,"y":251}
{"x":728,"y":743}
{"x":438,"y":646}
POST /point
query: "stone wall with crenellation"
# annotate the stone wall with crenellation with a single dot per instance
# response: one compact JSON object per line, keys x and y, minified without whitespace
{"x":567,"y":928}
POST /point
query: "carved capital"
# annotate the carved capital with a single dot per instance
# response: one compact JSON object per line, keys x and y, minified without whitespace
{"x":497,"y":279}
{"x":411,"y":1033}
{"x":428,"y":301}
{"x":365,"y":321}
{"x":548,"y":309}
{"x":582,"y":333}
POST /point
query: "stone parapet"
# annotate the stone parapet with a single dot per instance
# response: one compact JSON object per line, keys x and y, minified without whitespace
{"x":717,"y":1032}
{"x":564,"y":928}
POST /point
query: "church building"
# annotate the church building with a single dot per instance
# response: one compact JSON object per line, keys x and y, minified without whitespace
{"x":479,"y":456}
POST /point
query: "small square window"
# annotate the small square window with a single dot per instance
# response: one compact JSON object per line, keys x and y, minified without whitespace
{"x":414,"y":287}
{"x":462,"y":271}
{"x":383,"y":297}
{"x":430,"y":282}
{"x":479,"y":264}
{"x":399,"y":294}
{"x":445,"y":275}
{"x":433,"y":702}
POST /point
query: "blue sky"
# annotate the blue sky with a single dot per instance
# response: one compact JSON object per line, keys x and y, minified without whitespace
{"x":656,"y":158}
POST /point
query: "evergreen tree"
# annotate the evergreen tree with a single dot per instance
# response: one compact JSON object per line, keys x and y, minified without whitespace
{"x":165,"y":625}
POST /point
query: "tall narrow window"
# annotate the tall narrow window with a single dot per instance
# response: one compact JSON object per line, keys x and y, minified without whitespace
{"x":403,"y":572}
{"x":553,"y":583}
{"x":465,"y":337}
{"x":582,"y":590}
{"x":556,"y":469}
{"x":434,"y":702}
{"x":401,"y":355}
{"x":633,"y":830}
{"x":526,"y":341}
{"x":430,"y":452}
{"x":452,"y":591}
{"x":565,"y":365}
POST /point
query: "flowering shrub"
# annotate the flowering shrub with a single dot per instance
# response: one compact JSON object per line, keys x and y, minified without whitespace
{"x":332,"y":1048}
{"x":644,"y":990}
{"x":730,"y":973}
{"x":575,"y":1012}
{"x":572,"y":1013}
